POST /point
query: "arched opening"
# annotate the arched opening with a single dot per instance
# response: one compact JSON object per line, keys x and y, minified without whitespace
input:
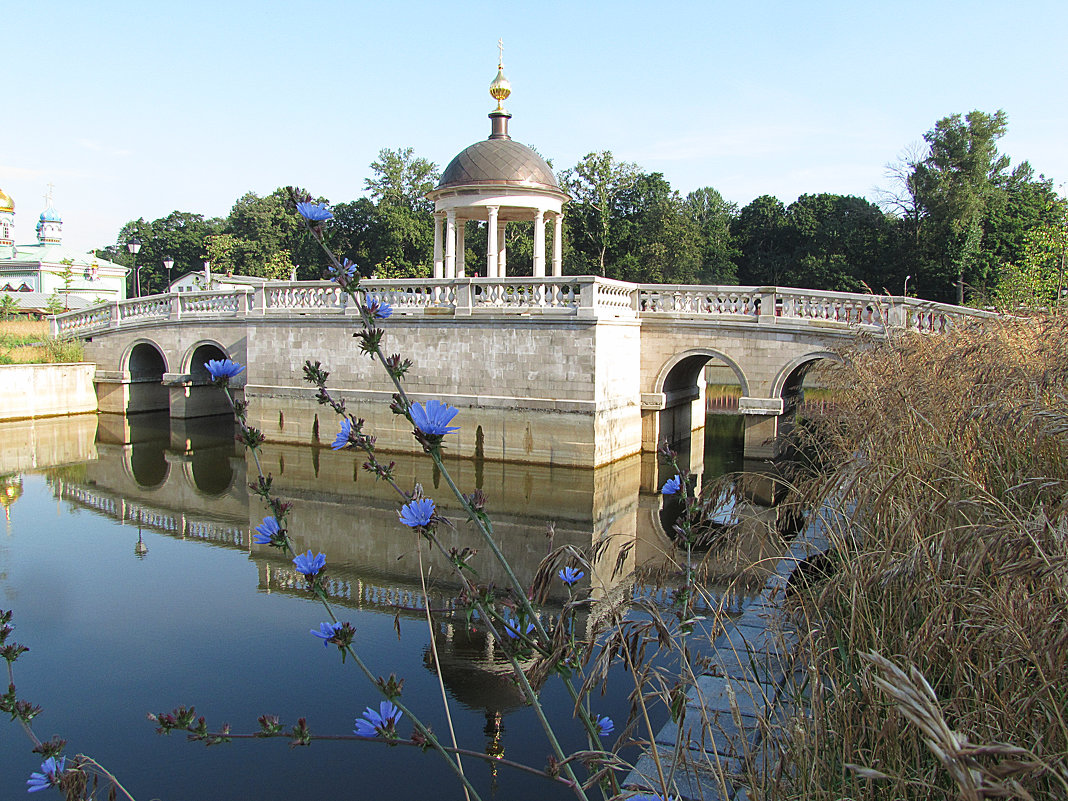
{"x":146,"y":366}
{"x":700,"y":418}
{"x":202,"y":354}
{"x":806,"y":388}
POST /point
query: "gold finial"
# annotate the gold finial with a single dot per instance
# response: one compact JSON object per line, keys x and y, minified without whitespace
{"x":500,"y":88}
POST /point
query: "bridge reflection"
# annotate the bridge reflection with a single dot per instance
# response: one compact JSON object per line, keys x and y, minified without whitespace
{"x":191,"y":483}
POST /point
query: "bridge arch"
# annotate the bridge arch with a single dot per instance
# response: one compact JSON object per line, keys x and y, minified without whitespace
{"x":143,"y":365}
{"x":195,"y":357}
{"x":144,"y":359}
{"x":684,"y":368}
{"x":795,"y":369}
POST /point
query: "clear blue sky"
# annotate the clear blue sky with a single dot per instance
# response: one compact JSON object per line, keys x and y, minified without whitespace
{"x":138,"y":109}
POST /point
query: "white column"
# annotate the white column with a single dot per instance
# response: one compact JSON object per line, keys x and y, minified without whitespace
{"x":461,"y":231}
{"x":558,"y":245}
{"x":539,"y":244}
{"x":491,"y":246}
{"x":450,"y":243}
{"x":439,"y":266}
{"x":502,"y":252}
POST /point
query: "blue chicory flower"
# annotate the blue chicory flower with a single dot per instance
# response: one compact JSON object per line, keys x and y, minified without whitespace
{"x":434,"y":418}
{"x":672,"y":485}
{"x":382,"y":722}
{"x":342,"y":439}
{"x":570,"y":575}
{"x":605,"y":726}
{"x":511,"y":628}
{"x":327,"y":631}
{"x":417,"y":512}
{"x":223,"y":368}
{"x":314,"y":212}
{"x":345,"y":271}
{"x":51,"y":772}
{"x":267,"y":531}
{"x":310,"y":565}
{"x":379,"y":309}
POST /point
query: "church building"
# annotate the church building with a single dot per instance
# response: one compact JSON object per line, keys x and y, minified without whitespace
{"x":34,"y":272}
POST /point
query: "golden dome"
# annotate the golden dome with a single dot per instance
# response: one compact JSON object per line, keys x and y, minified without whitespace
{"x":500,"y":88}
{"x":6,"y":203}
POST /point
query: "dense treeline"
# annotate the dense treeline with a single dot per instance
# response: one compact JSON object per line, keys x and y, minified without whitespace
{"x":957,"y":221}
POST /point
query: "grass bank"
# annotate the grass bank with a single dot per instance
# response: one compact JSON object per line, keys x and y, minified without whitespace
{"x":28,"y":342}
{"x":937,"y":665}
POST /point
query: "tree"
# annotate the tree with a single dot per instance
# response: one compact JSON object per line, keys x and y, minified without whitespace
{"x":954,"y":187}
{"x":180,"y":235}
{"x":402,"y":179}
{"x":66,"y":275}
{"x":9,"y":307}
{"x":596,"y":185}
{"x":760,"y":234}
{"x":713,"y":215}
{"x":262,"y":227}
{"x":657,"y":239}
{"x":1039,"y":277}
{"x":839,"y":243}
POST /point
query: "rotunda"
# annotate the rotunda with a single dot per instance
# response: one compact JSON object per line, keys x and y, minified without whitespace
{"x":496,"y":181}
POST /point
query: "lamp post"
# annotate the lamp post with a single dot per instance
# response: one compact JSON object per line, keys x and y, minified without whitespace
{"x":134,"y":245}
{"x":168,"y":262}
{"x":905,"y":291}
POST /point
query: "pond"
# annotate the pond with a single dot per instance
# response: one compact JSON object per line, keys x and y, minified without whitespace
{"x":126,"y":559}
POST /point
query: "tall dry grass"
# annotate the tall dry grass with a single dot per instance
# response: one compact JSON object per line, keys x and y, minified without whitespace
{"x":937,"y":665}
{"x":28,"y":342}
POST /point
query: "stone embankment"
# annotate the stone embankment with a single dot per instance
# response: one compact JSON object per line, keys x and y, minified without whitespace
{"x":46,"y":390}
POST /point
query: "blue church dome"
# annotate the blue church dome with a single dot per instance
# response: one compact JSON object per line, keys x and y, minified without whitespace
{"x":50,"y":215}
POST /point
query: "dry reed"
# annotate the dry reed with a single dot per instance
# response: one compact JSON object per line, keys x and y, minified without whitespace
{"x":938,"y":650}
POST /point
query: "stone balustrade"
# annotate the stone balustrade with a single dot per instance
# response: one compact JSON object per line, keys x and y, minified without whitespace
{"x":579,"y":296}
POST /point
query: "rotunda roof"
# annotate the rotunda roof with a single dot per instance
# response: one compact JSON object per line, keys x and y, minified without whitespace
{"x":50,"y":214}
{"x":498,"y":161}
{"x":6,"y":203}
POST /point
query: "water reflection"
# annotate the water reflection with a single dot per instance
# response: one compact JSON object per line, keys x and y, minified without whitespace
{"x":172,"y":487}
{"x":189,"y":480}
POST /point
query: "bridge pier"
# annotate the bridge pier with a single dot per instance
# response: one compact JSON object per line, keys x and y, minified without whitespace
{"x":192,"y":398}
{"x":117,"y":392}
{"x":761,"y":426}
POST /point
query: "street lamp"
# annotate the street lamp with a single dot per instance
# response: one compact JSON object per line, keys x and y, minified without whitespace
{"x":168,"y":262}
{"x":134,"y":245}
{"x":905,"y":291}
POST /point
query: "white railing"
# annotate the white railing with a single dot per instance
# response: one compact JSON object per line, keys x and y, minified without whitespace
{"x":702,"y":301}
{"x":588,"y":297}
{"x":213,"y":302}
{"x":837,"y":307}
{"x":304,"y":296}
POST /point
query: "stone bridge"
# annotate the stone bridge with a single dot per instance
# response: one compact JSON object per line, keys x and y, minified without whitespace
{"x":577,"y":371}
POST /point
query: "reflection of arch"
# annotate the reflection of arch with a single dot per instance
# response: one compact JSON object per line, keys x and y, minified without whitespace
{"x":210,"y":472}
{"x":684,"y":368}
{"x":195,"y":358}
{"x":148,"y":465}
{"x":144,"y":360}
{"x":795,"y":370}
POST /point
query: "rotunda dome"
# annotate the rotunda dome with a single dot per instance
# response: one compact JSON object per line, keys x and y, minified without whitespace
{"x":50,"y":214}
{"x":6,"y":203}
{"x":498,"y":162}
